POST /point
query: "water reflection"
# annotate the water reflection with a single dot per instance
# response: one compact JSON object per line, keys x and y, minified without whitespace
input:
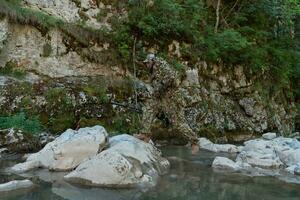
{"x":190,"y":178}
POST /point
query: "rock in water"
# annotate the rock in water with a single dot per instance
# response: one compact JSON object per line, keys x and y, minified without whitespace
{"x":15,"y":185}
{"x":208,"y":145}
{"x":259,"y":153}
{"x":297,"y":169}
{"x":225,"y":164}
{"x":269,"y":136}
{"x":68,"y":150}
{"x":127,"y":163}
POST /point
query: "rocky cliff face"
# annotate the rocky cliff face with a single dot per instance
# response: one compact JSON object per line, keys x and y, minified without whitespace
{"x":71,"y":78}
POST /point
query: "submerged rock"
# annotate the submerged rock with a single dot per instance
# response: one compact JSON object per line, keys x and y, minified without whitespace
{"x":67,"y":151}
{"x":225,"y":164}
{"x":15,"y":185}
{"x":128,"y":162}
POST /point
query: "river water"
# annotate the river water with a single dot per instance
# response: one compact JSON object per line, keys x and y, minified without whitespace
{"x":190,"y":178}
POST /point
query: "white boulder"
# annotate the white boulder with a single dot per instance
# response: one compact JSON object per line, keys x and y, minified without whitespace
{"x":291,"y":169}
{"x":15,"y":185}
{"x":127,"y":163}
{"x":269,"y":136}
{"x":259,"y":153}
{"x":256,"y":159}
{"x":225,"y":164}
{"x":227,"y":148}
{"x":297,"y":169}
{"x":206,"y":144}
{"x":289,"y":157}
{"x":67,"y":151}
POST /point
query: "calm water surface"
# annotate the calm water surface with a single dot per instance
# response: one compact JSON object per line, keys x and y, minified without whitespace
{"x":190,"y":178}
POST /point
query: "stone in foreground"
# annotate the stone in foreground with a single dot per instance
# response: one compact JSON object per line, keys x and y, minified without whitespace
{"x":67,"y":151}
{"x":128,"y":162}
{"x":15,"y":185}
{"x":269,"y":136}
{"x":225,"y":164}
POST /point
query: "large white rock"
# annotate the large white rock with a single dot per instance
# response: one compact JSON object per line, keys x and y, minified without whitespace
{"x":127,"y":163}
{"x":269,"y":136}
{"x":297,"y":169}
{"x":259,"y":153}
{"x":290,"y":157}
{"x":227,"y":148}
{"x":15,"y":185}
{"x":225,"y":164}
{"x":206,"y":144}
{"x":255,"y":159}
{"x":68,"y":150}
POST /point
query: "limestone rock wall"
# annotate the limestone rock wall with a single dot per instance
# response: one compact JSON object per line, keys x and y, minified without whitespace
{"x":208,"y":100}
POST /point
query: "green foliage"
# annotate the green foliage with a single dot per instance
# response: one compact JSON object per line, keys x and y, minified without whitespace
{"x":10,"y":70}
{"x":224,"y":45}
{"x":97,"y":91}
{"x":125,"y":123}
{"x":21,"y":122}
{"x":60,"y":109}
{"x":263,"y":35}
{"x":19,"y":14}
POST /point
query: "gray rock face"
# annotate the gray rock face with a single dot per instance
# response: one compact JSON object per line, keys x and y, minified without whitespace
{"x":68,"y":150}
{"x":225,"y":164}
{"x":64,"y":9}
{"x":15,"y":185}
{"x":127,"y":163}
{"x":3,"y":32}
{"x":269,"y":136}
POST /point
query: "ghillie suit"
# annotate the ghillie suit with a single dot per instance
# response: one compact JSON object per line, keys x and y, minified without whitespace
{"x":163,"y":99}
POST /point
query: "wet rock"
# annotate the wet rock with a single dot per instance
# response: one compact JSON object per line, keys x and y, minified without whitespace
{"x":68,"y":150}
{"x":2,"y":150}
{"x":208,"y":145}
{"x":290,"y":169}
{"x":259,"y":153}
{"x":256,"y":159}
{"x":290,"y":156}
{"x":15,"y":185}
{"x":127,"y":163}
{"x":297,"y":169}
{"x":269,"y":136}
{"x":225,"y":164}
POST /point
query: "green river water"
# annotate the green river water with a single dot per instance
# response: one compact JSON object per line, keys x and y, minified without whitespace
{"x":190,"y":178}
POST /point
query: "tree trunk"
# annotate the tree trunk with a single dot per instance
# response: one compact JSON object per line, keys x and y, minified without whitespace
{"x":217,"y":16}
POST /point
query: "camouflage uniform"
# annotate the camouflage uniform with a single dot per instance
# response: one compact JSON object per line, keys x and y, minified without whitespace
{"x":164,"y":82}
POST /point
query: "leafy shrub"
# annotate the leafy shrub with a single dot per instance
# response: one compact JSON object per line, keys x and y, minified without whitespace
{"x":21,"y":122}
{"x":10,"y":70}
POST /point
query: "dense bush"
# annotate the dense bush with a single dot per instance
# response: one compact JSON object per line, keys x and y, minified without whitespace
{"x":21,"y":122}
{"x":262,"y":35}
